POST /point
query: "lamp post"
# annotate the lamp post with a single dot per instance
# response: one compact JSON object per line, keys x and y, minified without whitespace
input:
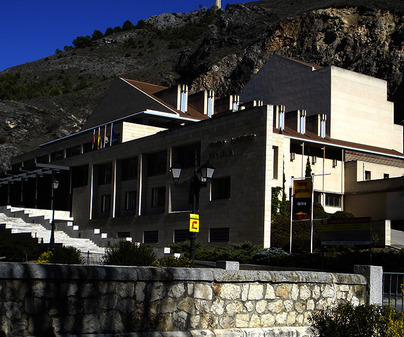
{"x":54,"y":185}
{"x":199,"y":180}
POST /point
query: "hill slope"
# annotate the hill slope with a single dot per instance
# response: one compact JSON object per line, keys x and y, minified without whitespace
{"x":208,"y":49}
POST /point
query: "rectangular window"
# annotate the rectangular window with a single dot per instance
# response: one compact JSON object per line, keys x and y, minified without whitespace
{"x":150,"y":237}
{"x":104,"y":174}
{"x":130,"y":200}
{"x":106,"y":203}
{"x":73,"y":151}
{"x":368,"y":175}
{"x":386,"y":176}
{"x":333,"y":200}
{"x":122,"y":235}
{"x":158,"y":197}
{"x":275,"y":156}
{"x":220,"y":188}
{"x":184,"y":156}
{"x":219,"y":235}
{"x":181,"y":235}
{"x":156,"y":163}
{"x":80,"y":176}
{"x":129,"y":169}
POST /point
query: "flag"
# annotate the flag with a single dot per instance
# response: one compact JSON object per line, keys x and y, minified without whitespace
{"x":105,"y":136}
{"x":114,"y":138}
{"x":99,"y":138}
{"x":93,"y":142}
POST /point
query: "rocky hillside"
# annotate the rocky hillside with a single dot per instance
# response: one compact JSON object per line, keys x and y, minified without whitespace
{"x":212,"y":49}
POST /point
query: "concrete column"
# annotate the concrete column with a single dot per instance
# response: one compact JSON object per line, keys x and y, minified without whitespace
{"x":374,"y":275}
{"x":139,"y":184}
{"x":91,"y":168}
{"x":114,"y":188}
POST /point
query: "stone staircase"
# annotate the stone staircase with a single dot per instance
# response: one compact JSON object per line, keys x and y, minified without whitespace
{"x":38,"y":223}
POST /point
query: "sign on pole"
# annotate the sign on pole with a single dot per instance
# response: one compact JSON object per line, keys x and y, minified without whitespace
{"x":302,"y":199}
{"x":194,"y":223}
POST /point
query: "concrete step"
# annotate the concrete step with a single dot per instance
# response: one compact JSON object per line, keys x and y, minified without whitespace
{"x":18,"y":225}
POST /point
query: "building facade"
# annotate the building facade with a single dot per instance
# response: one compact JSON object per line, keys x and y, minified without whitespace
{"x":115,"y":174}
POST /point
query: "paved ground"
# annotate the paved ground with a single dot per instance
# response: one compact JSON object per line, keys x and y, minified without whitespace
{"x":397,"y":238}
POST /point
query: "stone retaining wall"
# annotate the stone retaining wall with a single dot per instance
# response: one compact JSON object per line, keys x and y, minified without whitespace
{"x":49,"y":300}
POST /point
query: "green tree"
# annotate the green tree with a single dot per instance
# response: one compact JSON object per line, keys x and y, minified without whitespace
{"x":308,"y":168}
{"x":109,"y":31}
{"x":97,"y":35}
{"x":127,"y":25}
{"x":82,"y":41}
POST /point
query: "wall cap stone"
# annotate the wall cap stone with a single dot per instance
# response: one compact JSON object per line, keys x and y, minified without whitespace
{"x":12,"y":270}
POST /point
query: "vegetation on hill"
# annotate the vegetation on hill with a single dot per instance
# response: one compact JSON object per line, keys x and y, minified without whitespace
{"x":207,"y":49}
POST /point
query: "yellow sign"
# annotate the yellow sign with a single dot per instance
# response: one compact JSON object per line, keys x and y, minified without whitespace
{"x":194,"y":223}
{"x":302,"y":188}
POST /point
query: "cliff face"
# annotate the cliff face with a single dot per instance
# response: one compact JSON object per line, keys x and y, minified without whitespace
{"x":234,"y":46}
{"x":362,"y":40}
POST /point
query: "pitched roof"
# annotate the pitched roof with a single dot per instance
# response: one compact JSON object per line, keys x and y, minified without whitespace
{"x":152,"y":90}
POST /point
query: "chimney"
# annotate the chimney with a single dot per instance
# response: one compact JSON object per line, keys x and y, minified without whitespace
{"x":182,"y":97}
{"x":301,"y":121}
{"x":203,"y":101}
{"x":252,"y":104}
{"x":317,"y":124}
{"x":218,"y":4}
{"x":228,"y":103}
{"x":279,"y":117}
{"x":176,"y":96}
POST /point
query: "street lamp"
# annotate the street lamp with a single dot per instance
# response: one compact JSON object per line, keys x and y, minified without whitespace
{"x":199,"y":180}
{"x":54,"y":185}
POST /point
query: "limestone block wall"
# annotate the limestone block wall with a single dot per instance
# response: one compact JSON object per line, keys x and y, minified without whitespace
{"x":48,"y":300}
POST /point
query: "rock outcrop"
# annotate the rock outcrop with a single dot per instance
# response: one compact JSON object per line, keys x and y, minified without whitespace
{"x":234,"y":46}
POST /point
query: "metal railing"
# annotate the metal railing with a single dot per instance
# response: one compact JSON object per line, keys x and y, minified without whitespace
{"x":92,"y":258}
{"x":393,"y":290}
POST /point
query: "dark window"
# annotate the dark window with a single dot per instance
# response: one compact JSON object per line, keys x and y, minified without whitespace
{"x":130,"y":200}
{"x":104,"y":174}
{"x":333,"y":200}
{"x":87,"y":147}
{"x":105,"y":203}
{"x":184,"y":156}
{"x":219,"y":235}
{"x":156,"y":163}
{"x":80,"y":176}
{"x":123,"y":235}
{"x":129,"y":169}
{"x":73,"y":151}
{"x":386,"y":176}
{"x":158,"y":197}
{"x":275,"y":151}
{"x":220,"y":188}
{"x":57,"y":155}
{"x":43,"y":159}
{"x":181,"y":235}
{"x":150,"y":237}
{"x":368,"y":175}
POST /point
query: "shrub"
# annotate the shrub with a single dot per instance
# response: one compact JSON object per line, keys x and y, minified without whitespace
{"x":63,"y":255}
{"x":266,"y":255}
{"x":362,"y":321}
{"x":127,"y":253}
{"x":171,"y":261}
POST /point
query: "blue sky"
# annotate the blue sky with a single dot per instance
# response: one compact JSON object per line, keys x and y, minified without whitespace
{"x":34,"y":29}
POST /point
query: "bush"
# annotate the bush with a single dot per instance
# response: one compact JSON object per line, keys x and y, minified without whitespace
{"x":127,"y":253}
{"x":268,"y":254}
{"x":362,"y":321}
{"x":171,"y":261}
{"x":63,"y":255}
